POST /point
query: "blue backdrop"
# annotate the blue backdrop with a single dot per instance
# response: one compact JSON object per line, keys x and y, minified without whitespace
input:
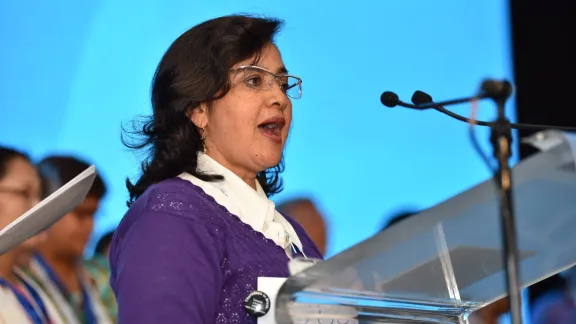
{"x":74,"y":71}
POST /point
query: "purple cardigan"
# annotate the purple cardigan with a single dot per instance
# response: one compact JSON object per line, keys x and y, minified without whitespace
{"x":179,"y":257}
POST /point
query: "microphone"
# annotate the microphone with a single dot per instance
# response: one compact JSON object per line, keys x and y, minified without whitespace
{"x":489,"y":89}
{"x":391,"y":100}
{"x":422,"y":99}
{"x":497,"y":90}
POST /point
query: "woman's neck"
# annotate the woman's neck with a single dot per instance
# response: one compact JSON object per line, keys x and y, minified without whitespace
{"x":66,"y":269}
{"x":247,"y":176}
{"x":250,"y":181}
{"x":7,"y":264}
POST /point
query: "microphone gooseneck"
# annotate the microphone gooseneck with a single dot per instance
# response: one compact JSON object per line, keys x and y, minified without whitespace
{"x":422,"y":100}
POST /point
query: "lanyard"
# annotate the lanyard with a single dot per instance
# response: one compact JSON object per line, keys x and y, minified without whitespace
{"x":27,"y":304}
{"x":88,"y":312}
{"x":296,"y":251}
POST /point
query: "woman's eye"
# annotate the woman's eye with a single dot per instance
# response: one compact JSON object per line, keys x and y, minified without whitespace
{"x":254,"y":81}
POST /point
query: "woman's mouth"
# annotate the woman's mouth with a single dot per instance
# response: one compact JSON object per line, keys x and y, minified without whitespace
{"x":272,"y":128}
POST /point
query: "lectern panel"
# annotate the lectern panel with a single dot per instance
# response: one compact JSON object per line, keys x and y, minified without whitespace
{"x":440,"y":265}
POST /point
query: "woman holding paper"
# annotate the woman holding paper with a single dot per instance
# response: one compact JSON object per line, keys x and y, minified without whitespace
{"x":20,"y":300}
{"x":201,"y":229}
{"x":57,"y":266}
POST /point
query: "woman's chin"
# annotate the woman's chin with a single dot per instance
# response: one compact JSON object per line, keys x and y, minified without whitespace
{"x":269,"y":160}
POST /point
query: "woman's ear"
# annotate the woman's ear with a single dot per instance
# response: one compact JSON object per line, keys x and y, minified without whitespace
{"x":199,"y":115}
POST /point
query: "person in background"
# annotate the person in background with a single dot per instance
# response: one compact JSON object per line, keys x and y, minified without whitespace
{"x":305,"y":212}
{"x":103,"y":245}
{"x":489,"y":314}
{"x":98,"y":269}
{"x":201,"y":229}
{"x":557,"y":306}
{"x":555,"y":283}
{"x":20,"y":302}
{"x":57,"y":267}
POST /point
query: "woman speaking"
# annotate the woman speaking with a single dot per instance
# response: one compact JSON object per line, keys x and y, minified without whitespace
{"x":200,"y":229}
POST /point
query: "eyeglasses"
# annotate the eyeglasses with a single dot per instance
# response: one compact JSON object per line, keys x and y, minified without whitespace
{"x":259,"y":78}
{"x":24,"y":193}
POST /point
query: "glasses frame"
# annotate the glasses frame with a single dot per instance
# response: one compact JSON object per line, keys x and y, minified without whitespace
{"x":20,"y":192}
{"x":276,"y":78}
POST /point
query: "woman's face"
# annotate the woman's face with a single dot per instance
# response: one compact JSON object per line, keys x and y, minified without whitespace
{"x":19,"y":191}
{"x":247,"y":129}
{"x":68,"y":236}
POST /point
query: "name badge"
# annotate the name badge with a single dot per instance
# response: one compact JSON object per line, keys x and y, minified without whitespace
{"x":302,"y":313}
{"x":270,"y":286}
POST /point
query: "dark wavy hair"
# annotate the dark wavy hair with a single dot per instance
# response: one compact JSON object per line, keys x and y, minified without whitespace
{"x":195,"y":70}
{"x":7,"y":155}
{"x":56,"y":170}
{"x":104,"y":243}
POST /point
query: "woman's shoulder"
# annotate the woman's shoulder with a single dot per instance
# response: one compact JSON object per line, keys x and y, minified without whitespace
{"x":176,"y":197}
{"x":170,"y":214}
{"x":173,"y":201}
{"x":161,"y":194}
{"x":10,"y":309}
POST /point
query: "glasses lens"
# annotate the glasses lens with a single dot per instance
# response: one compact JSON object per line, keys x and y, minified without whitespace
{"x":257,"y":79}
{"x":292,"y":87}
{"x":260,"y":79}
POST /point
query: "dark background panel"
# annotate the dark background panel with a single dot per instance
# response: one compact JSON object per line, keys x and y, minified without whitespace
{"x":542,"y":35}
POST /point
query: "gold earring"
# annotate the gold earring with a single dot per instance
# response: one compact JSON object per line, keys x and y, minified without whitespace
{"x":203,"y":139}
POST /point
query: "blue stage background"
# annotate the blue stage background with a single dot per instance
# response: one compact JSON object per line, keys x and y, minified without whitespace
{"x":73,"y":72}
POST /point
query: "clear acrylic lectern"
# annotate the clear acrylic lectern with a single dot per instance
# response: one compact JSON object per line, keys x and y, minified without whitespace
{"x":444,"y":263}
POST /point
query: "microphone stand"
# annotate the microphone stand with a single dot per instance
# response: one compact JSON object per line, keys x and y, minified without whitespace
{"x":501,"y":138}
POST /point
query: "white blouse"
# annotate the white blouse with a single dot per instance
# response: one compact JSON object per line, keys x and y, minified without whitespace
{"x":252,"y":206}
{"x":59,"y":309}
{"x":11,"y":311}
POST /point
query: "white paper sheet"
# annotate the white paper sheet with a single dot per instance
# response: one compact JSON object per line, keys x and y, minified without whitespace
{"x":48,"y":211}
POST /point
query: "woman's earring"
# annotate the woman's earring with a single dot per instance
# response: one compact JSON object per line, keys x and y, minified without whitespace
{"x":203,"y":139}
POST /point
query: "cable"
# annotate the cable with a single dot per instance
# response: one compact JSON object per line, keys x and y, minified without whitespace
{"x":474,"y":139}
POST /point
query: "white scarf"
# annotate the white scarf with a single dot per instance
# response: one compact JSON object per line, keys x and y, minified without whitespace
{"x":252,"y":206}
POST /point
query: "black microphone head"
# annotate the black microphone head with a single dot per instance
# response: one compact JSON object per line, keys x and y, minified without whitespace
{"x":497,"y":89}
{"x":420,"y":98}
{"x":389,"y":99}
